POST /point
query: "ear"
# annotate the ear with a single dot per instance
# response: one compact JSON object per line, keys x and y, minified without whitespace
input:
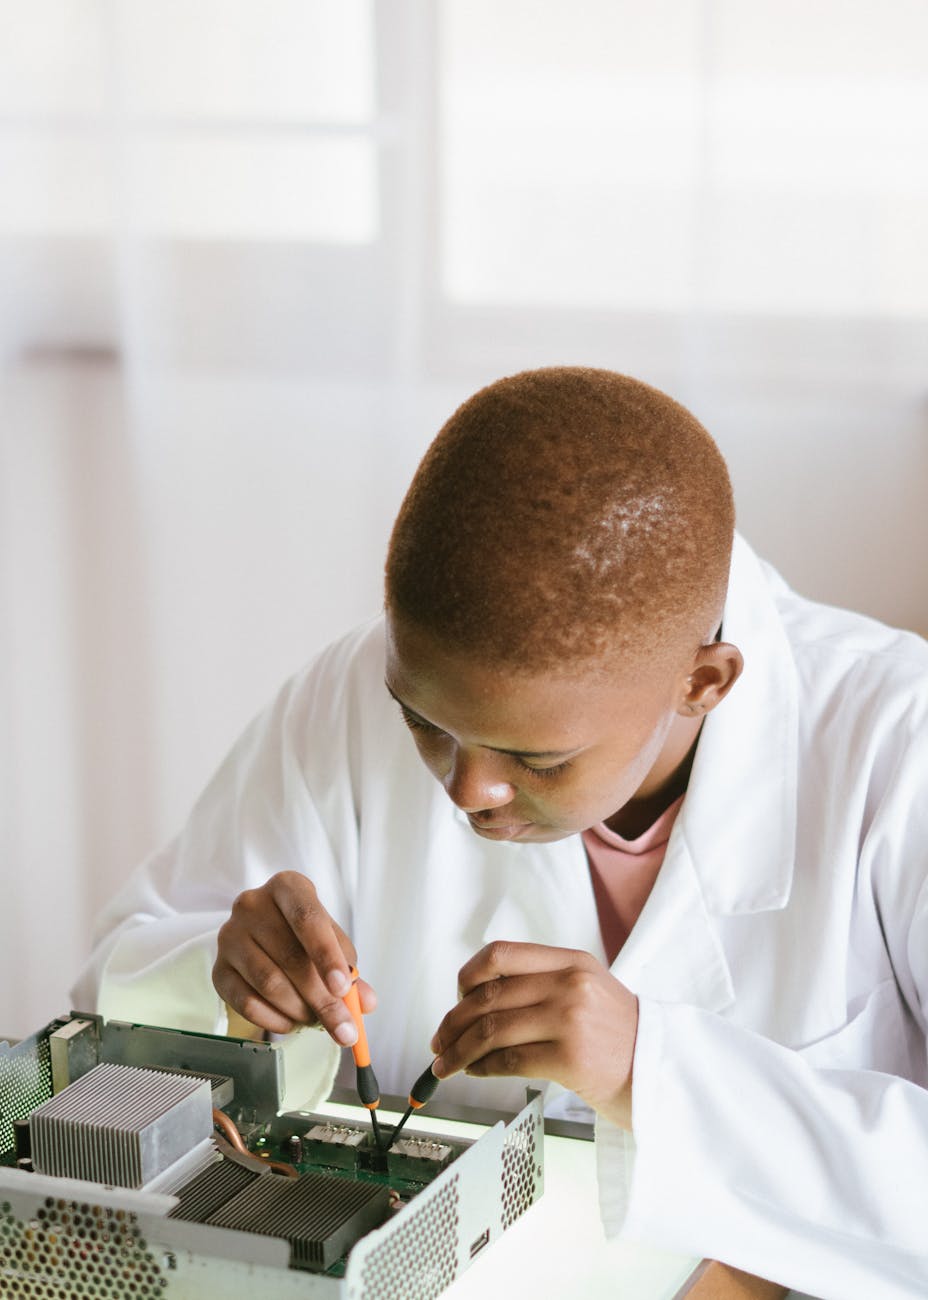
{"x":716,"y":668}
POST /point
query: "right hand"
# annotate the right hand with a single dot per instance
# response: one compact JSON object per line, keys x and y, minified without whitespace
{"x":283,"y":962}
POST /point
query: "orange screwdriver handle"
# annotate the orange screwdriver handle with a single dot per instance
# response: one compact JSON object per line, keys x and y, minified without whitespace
{"x":361,"y":1052}
{"x":368,"y":1088}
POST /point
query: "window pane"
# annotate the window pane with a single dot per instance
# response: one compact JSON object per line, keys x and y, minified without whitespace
{"x":258,"y":187}
{"x":52,"y":57}
{"x":819,"y":135}
{"x":770,"y":157}
{"x":54,"y":184}
{"x":278,"y":60}
{"x":569,"y":152}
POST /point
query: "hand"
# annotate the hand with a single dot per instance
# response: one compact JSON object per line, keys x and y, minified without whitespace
{"x":282,"y":961}
{"x":543,"y":1013}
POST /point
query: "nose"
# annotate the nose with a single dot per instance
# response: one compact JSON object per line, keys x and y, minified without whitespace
{"x":473,"y":783}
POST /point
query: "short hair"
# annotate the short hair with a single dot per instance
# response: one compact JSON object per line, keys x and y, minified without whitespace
{"x":565,"y":514}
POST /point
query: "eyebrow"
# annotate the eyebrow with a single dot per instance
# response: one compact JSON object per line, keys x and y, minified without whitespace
{"x":496,"y":749}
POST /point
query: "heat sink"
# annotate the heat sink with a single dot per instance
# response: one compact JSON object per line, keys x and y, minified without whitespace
{"x":321,"y":1216}
{"x":120,"y":1125}
{"x":212,"y":1188}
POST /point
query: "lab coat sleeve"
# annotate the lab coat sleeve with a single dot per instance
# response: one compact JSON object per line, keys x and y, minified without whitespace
{"x":744,"y":1152}
{"x":269,"y":808}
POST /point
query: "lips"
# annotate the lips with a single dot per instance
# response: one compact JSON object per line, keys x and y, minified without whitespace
{"x":498,"y":830}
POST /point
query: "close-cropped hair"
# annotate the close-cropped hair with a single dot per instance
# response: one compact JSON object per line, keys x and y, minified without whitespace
{"x":565,"y":514}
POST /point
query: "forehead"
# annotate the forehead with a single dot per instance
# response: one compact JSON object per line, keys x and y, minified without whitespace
{"x":501,"y":705}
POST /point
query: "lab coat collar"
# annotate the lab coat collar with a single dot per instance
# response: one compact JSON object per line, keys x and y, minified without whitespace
{"x":743,"y":786}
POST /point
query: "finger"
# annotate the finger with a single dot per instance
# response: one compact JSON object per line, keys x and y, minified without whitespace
{"x":323,"y":942}
{"x":260,"y":943}
{"x":314,"y":1002}
{"x":502,"y":958}
{"x":269,"y":929}
{"x":366,"y":991}
{"x":258,"y":969}
{"x":525,"y":1060}
{"x":239,"y":995}
{"x":263,"y":924}
{"x":368,"y":997}
{"x":496,"y":1031}
{"x":500,"y":994}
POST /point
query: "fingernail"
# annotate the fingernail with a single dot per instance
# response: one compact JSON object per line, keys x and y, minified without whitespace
{"x":438,"y":1066}
{"x":346,"y":1033}
{"x":434,"y":1045}
{"x":338,"y":983}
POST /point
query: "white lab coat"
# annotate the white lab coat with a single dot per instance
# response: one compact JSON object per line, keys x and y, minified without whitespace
{"x":780,"y":1114}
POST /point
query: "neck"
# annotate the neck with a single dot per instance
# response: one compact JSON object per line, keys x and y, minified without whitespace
{"x":665,"y":782}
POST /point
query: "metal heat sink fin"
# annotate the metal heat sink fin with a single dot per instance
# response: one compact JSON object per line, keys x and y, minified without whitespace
{"x":212,"y":1188}
{"x":119,"y":1124}
{"x":321,"y":1216}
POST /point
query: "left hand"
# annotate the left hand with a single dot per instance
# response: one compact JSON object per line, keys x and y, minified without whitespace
{"x":543,"y":1013}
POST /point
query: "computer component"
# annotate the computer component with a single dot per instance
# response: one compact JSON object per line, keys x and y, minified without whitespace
{"x":332,"y":1146}
{"x":307,"y":1206}
{"x":418,"y":1157}
{"x":213,"y":1187}
{"x":121,"y":1125}
{"x":320,"y":1216}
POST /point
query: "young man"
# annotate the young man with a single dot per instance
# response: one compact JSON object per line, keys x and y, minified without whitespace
{"x":602,"y":804}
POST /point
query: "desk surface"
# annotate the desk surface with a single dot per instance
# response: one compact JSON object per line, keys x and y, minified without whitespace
{"x":557,"y":1248}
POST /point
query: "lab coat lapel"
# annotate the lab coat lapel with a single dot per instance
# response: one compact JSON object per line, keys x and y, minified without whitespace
{"x":674,"y":953}
{"x":732,"y":847}
{"x":739,"y":816}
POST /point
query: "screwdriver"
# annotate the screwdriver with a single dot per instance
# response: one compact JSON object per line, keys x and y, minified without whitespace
{"x":420,"y":1092}
{"x":367,"y":1085}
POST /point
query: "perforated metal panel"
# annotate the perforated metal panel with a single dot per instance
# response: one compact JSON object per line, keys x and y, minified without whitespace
{"x":419,"y":1260}
{"x":74,"y":1249}
{"x":522,"y":1169}
{"x":445,"y":1228}
{"x":25,"y":1082}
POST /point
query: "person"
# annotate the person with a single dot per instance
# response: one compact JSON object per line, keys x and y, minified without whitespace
{"x":599,"y":803}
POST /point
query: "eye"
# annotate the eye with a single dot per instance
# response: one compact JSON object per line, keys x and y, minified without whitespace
{"x":544,"y":772}
{"x":415,"y":723}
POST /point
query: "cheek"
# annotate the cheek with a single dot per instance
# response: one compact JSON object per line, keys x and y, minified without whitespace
{"x":568,"y":804}
{"x":636,"y":767}
{"x":433,"y":752}
{"x":617,"y":777}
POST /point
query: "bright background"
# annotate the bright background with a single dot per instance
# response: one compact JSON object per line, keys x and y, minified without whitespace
{"x":252,"y":255}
